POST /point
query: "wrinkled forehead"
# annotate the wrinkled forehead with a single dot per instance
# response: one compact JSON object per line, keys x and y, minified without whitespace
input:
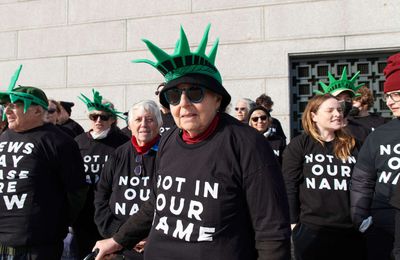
{"x":142,"y":112}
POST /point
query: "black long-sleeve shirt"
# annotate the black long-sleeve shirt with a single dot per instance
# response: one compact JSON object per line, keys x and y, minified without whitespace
{"x":120,"y":192}
{"x":41,"y":171}
{"x":376,"y":176}
{"x":317,"y":183}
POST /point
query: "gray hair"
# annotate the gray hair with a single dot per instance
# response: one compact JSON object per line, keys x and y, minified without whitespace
{"x":249,"y":103}
{"x":146,"y":106}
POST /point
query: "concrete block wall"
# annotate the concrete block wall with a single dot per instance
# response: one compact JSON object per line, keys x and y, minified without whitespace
{"x":68,"y":47}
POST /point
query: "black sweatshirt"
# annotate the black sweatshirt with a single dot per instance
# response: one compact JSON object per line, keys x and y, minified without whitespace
{"x":317,"y":183}
{"x":95,"y":152}
{"x":120,"y":192}
{"x":376,"y":176}
{"x":222,"y":198}
{"x":40,"y":169}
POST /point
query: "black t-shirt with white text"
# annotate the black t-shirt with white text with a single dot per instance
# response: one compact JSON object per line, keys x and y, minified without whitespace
{"x":120,"y":192}
{"x":379,"y":165}
{"x":37,"y":169}
{"x":217,"y":198}
{"x":318,"y":183}
{"x":95,"y":153}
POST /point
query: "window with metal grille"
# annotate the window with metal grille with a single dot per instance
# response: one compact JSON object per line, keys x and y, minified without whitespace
{"x":307,"y":71}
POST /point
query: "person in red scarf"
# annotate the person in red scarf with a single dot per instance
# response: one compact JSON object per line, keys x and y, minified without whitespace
{"x":219,"y":192}
{"x":126,"y":181}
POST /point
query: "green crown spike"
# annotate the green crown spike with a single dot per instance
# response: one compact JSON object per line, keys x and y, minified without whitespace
{"x":203,"y":43}
{"x":14,"y":79}
{"x":343,"y":84}
{"x":14,"y":94}
{"x":97,"y":104}
{"x":182,"y":61}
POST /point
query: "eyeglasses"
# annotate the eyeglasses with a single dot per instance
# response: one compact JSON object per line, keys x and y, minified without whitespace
{"x":240,"y":108}
{"x":51,"y":110}
{"x":94,"y":117}
{"x":255,"y":119}
{"x":194,"y":94}
{"x":395,"y":96}
{"x":139,"y":167}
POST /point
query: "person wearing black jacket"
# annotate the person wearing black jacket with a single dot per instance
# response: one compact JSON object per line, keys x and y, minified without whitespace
{"x":276,"y":127}
{"x":317,"y":167}
{"x":260,"y":119}
{"x":376,"y":174}
{"x":42,"y":178}
{"x":360,"y":110}
{"x":219,"y":191}
{"x":96,"y":146}
{"x":64,"y":118}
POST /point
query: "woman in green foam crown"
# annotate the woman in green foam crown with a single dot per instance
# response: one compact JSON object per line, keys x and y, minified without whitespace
{"x":219,"y":191}
{"x":96,"y":146}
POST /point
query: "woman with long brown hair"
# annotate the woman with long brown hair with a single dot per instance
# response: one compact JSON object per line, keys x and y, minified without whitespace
{"x":317,"y":167}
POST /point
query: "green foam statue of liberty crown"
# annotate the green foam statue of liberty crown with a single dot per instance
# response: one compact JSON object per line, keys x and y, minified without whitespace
{"x":183,"y":61}
{"x":28,"y":95}
{"x":97,"y":104}
{"x":342,"y":84}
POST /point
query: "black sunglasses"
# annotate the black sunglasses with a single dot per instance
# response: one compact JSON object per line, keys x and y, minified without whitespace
{"x":194,"y":94}
{"x":255,"y":119}
{"x":94,"y":117}
{"x":51,"y":110}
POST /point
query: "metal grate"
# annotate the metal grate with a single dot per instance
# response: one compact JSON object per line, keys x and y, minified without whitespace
{"x":306,"y":72}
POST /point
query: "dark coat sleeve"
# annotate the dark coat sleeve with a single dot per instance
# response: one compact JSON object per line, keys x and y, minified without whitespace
{"x":268,"y":206}
{"x":106,"y":222}
{"x":70,"y":167}
{"x":138,"y":226}
{"x":292,"y":170}
{"x":361,"y":194}
{"x":395,"y":200}
{"x":279,"y":130}
{"x":363,"y":182}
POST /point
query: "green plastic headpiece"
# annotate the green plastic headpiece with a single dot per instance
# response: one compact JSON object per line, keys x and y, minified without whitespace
{"x":335,"y":87}
{"x":183,"y":61}
{"x":97,"y":104}
{"x":28,"y":95}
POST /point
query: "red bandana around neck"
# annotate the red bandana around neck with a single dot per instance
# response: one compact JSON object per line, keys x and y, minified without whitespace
{"x":143,"y":149}
{"x":211,"y":128}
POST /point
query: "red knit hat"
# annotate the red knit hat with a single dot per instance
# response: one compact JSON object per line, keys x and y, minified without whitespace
{"x":392,"y":74}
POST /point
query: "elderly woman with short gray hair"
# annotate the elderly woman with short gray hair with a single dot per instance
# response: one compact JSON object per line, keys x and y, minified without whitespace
{"x":126,"y":181}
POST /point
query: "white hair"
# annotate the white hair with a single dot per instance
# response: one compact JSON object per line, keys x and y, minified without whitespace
{"x":249,"y":103}
{"x":146,"y":106}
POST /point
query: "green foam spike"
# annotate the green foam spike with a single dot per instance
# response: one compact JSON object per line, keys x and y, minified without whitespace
{"x":182,"y":61}
{"x":14,"y":79}
{"x":341,"y":84}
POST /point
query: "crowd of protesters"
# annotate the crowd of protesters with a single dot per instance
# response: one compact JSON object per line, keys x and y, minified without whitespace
{"x":186,"y":180}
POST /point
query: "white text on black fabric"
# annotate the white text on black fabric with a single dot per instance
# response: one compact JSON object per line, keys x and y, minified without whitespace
{"x":11,"y":173}
{"x":390,"y":154}
{"x":186,"y":211}
{"x":136,"y":190}
{"x":328,"y":172}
